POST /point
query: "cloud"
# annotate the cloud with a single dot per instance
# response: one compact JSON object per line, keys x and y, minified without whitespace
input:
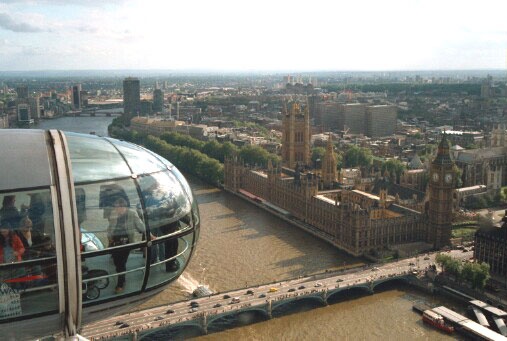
{"x":7,"y":23}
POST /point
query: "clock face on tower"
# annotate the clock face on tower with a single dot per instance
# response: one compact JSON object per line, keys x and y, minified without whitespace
{"x":448,"y":178}
{"x":435,"y":177}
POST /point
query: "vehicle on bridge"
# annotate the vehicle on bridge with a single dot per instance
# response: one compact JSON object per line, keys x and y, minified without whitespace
{"x":112,"y":223}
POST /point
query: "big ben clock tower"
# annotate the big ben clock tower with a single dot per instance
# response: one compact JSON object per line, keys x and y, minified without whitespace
{"x":441,"y":186}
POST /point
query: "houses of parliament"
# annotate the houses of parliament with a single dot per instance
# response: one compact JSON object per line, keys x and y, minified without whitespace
{"x":353,"y":219}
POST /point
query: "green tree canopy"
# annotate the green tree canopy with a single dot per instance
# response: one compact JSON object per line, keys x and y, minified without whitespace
{"x":255,"y":155}
{"x":318,"y":153}
{"x":358,"y":157}
{"x":395,"y":168}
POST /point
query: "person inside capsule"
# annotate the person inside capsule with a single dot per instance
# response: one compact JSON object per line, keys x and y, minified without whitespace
{"x":122,"y":225}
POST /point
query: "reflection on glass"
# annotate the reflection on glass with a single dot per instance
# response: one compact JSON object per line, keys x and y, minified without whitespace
{"x":108,"y":219}
{"x":139,"y":160}
{"x":27,"y":254}
{"x":93,"y":159}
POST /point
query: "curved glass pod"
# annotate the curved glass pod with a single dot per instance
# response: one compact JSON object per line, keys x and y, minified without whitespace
{"x":145,"y":217}
{"x":111,"y":220}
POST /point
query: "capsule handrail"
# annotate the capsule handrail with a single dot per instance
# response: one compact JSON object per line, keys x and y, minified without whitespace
{"x":173,"y":257}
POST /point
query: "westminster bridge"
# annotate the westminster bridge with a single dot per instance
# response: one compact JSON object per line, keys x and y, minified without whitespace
{"x":206,"y":313}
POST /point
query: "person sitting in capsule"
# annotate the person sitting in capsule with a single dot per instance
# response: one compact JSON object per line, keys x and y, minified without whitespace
{"x":123,"y":224}
{"x":11,"y":247}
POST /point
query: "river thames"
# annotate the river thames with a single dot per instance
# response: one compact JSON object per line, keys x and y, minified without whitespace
{"x":241,"y":245}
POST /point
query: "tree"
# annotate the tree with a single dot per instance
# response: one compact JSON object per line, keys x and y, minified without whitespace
{"x":395,"y":168}
{"x":358,"y":157}
{"x":467,"y":273}
{"x":255,"y":155}
{"x":481,"y":275}
{"x":458,"y":174}
{"x":442,"y":260}
{"x":318,"y":153}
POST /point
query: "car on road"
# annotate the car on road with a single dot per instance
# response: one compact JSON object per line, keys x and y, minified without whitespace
{"x":318,"y":284}
{"x":226,"y":297}
{"x":194,"y":304}
{"x":339,"y":280}
{"x":374,"y":269}
{"x":262,"y":295}
{"x":169,"y":311}
{"x":218,"y":305}
{"x":235,"y":300}
{"x":301,"y":287}
{"x":249,"y":292}
{"x":273,"y":290}
{"x":411,"y":263}
{"x":292,"y":289}
{"x":193,"y":310}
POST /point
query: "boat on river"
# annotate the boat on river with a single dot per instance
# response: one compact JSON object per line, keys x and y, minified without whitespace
{"x":202,"y":291}
{"x":436,"y":320}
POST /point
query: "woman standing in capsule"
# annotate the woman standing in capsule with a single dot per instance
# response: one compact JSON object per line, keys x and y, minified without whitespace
{"x":121,"y":231}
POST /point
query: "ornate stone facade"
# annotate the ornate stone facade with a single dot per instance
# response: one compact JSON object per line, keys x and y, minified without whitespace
{"x":356,"y":222}
{"x":441,"y":187}
{"x":296,"y":134}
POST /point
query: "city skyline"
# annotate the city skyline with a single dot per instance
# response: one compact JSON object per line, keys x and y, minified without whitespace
{"x":228,"y":36}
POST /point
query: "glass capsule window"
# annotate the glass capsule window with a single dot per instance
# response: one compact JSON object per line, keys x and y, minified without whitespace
{"x":137,"y":217}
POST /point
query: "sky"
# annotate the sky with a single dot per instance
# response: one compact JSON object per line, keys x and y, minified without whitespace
{"x":247,"y":35}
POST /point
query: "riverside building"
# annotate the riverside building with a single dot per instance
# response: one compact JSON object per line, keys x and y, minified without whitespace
{"x":355,"y":221}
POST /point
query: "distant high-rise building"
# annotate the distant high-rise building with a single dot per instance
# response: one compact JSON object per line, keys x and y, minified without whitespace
{"x":131,"y":97}
{"x":34,"y":103}
{"x":76,"y":96}
{"x":353,"y":118}
{"x":146,"y":107}
{"x":356,"y":118}
{"x":158,"y":100}
{"x":380,"y":120}
{"x":22,"y":92}
{"x":84,"y":98}
{"x":23,"y":113}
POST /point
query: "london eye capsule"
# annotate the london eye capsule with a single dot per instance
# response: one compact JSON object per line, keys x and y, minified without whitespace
{"x":88,"y":225}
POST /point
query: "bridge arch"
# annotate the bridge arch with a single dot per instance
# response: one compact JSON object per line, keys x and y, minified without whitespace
{"x":389,"y":280}
{"x":297,"y":304}
{"x":258,"y":310}
{"x":181,"y":332}
{"x":346,"y":292}
{"x":236,"y":318}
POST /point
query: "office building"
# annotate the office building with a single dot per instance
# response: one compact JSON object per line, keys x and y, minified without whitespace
{"x":158,"y":100}
{"x":380,"y":120}
{"x":22,"y":92}
{"x":23,"y":111}
{"x":34,"y":103}
{"x":131,"y":97}
{"x":76,"y":96}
